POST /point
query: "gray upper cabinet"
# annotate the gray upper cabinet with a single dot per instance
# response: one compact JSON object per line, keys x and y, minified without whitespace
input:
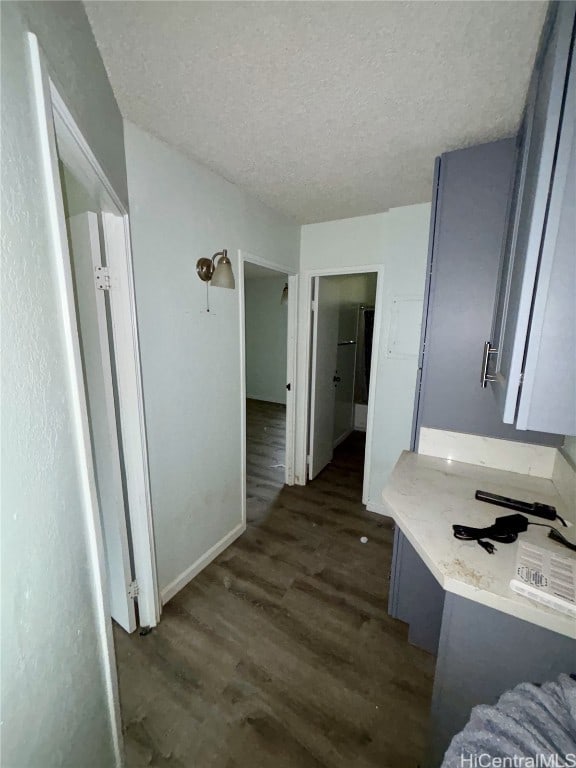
{"x":533,"y":340}
{"x":471,"y":192}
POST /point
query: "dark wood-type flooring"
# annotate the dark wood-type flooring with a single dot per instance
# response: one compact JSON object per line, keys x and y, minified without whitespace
{"x":280,"y":654}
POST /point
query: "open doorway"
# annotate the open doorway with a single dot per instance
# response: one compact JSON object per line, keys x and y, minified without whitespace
{"x":268,"y":307}
{"x":266,"y":333}
{"x":343,"y":347}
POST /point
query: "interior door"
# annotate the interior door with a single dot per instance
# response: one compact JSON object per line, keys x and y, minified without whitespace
{"x":95,"y":343}
{"x":323,"y":373}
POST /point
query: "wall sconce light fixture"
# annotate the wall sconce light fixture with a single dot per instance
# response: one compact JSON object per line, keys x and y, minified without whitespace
{"x":218,"y":273}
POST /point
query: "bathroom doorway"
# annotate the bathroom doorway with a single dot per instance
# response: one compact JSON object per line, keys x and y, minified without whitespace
{"x":344,"y":331}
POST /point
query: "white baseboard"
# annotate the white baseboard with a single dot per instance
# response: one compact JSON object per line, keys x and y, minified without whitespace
{"x":343,"y":437}
{"x":266,"y":399}
{"x":186,"y":576}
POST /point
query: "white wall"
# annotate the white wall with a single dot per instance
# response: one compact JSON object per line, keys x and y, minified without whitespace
{"x":54,"y":704}
{"x":355,"y":289}
{"x":397,"y":240}
{"x":266,"y":334}
{"x":181,"y":211}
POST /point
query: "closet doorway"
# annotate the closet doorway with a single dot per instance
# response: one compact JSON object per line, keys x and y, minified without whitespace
{"x":343,"y":347}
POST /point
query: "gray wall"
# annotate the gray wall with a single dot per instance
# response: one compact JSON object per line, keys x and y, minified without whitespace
{"x":54,"y":703}
{"x":266,"y":332}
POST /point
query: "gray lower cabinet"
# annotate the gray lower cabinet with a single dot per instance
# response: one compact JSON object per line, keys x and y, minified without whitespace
{"x":415,"y":596}
{"x":481,"y":652}
{"x":472,"y":190}
{"x":532,"y":367}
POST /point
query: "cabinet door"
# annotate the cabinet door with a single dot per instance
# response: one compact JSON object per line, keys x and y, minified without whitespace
{"x":469,"y":227}
{"x":548,"y":394}
{"x":528,"y":212}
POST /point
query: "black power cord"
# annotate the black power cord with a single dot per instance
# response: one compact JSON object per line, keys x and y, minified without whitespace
{"x":505,"y":531}
{"x":555,"y":535}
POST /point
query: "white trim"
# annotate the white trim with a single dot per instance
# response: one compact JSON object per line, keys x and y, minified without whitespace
{"x":312,"y":366}
{"x":247,"y":256}
{"x":75,"y":151}
{"x":242,"y":331}
{"x":303,"y":422}
{"x":304,"y":383}
{"x":374,"y":363}
{"x":291,"y":371}
{"x":63,"y":273}
{"x":204,"y":560}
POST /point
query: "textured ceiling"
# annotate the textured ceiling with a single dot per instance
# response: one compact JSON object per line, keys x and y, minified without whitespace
{"x":323,"y":110}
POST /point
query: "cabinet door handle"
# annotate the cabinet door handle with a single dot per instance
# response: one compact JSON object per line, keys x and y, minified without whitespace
{"x":485,"y":377}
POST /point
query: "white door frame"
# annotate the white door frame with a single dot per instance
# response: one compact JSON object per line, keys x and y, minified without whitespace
{"x":304,"y":383}
{"x":55,"y":121}
{"x":63,"y":276}
{"x":291,"y":342}
{"x":74,"y":150}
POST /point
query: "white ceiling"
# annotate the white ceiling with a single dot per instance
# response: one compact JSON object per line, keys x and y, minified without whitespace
{"x":323,"y":110}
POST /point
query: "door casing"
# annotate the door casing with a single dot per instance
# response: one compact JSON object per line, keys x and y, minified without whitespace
{"x":60,"y":137}
{"x":305,"y":343}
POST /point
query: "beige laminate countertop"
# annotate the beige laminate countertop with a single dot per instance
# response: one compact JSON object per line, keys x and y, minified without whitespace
{"x":427,"y":495}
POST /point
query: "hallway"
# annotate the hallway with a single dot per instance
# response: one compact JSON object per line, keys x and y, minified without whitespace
{"x":280,"y":654}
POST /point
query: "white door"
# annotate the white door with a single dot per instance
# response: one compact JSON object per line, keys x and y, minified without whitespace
{"x":323,"y":374}
{"x":98,"y":378}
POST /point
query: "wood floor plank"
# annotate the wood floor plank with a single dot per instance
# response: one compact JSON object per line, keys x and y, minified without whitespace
{"x":281,"y":654}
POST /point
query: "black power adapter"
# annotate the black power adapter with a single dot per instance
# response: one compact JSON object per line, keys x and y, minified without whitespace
{"x":505,"y":531}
